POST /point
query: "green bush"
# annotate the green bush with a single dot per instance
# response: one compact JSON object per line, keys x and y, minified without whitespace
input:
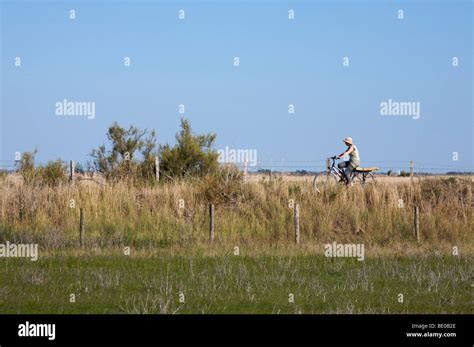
{"x":131,"y":155}
{"x":53,"y":174}
{"x":192,"y":156}
{"x":133,"y":151}
{"x":26,"y":167}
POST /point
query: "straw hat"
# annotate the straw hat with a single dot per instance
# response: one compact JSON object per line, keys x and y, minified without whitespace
{"x":348,"y":140}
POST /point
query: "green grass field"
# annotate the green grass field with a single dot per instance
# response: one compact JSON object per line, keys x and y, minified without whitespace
{"x":114,"y":283}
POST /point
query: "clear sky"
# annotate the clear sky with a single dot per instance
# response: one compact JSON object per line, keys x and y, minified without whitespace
{"x":282,"y":62}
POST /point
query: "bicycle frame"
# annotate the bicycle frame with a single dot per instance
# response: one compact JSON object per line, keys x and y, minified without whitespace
{"x":334,"y":170}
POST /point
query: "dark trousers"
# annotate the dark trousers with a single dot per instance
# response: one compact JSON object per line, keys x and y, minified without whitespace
{"x":347,"y":169}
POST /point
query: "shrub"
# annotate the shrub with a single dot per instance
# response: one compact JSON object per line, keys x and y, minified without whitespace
{"x":223,"y":186}
{"x":192,"y":156}
{"x":133,"y":151}
{"x":131,"y":155}
{"x":26,"y":167}
{"x":53,"y":174}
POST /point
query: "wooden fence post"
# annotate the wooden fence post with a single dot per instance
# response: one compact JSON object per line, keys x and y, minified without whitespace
{"x":157,"y":168}
{"x":81,"y":227}
{"x":416,"y":222}
{"x":72,"y":167}
{"x":297,"y":223}
{"x":411,"y":168}
{"x":211,"y":222}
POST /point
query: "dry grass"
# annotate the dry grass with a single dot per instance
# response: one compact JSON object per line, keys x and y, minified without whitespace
{"x":119,"y":214}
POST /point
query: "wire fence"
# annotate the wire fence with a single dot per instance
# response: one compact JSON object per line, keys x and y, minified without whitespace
{"x":301,"y":166}
{"x":384,"y":166}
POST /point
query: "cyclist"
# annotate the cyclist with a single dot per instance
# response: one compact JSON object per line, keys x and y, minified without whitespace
{"x":354,"y":161}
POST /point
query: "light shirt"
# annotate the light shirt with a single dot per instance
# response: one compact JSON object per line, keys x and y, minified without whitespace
{"x":354,"y":158}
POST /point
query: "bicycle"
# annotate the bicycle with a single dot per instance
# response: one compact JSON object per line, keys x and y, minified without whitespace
{"x":334,"y":175}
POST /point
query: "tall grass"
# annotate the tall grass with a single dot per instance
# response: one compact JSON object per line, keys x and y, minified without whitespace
{"x":380,"y":215}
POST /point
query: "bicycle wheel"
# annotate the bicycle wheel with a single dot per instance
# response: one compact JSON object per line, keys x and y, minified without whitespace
{"x":322,"y":180}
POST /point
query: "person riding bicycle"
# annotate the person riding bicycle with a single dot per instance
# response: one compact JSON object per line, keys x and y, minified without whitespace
{"x":354,"y":161}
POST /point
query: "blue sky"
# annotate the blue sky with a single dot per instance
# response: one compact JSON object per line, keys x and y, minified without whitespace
{"x":282,"y":62}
